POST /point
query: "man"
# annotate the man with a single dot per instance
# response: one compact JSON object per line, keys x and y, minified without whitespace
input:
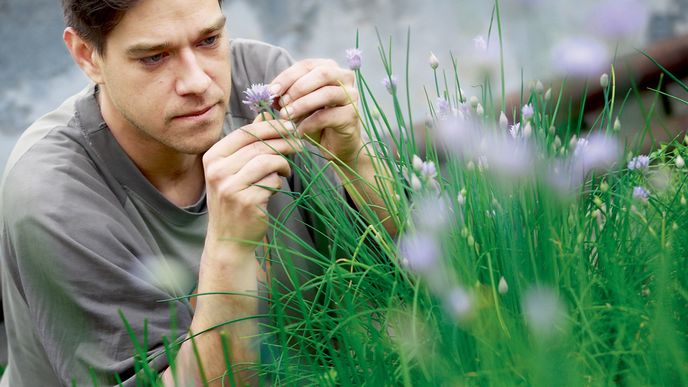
{"x":137,"y":166}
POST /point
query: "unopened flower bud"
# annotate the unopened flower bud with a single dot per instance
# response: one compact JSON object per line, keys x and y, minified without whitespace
{"x":527,"y":130}
{"x":680,"y":163}
{"x":417,"y":163}
{"x":604,"y":187}
{"x":474,"y":102}
{"x":503,"y":287}
{"x":597,"y":201}
{"x":683,"y":200}
{"x":416,"y":185}
{"x":552,"y":130}
{"x":434,"y":62}
{"x":539,"y":87}
{"x":604,"y":80}
{"x":470,"y":240}
{"x":470,"y":166}
{"x":480,"y":110}
{"x":503,"y":121}
{"x":617,"y":124}
{"x":548,"y":94}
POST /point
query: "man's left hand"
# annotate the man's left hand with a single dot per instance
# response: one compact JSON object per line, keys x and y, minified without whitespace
{"x":321,"y":98}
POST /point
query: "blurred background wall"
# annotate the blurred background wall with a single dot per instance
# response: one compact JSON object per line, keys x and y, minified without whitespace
{"x":36,"y":73}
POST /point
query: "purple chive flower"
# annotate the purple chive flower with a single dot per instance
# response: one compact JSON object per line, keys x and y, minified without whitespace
{"x":580,"y":57}
{"x":390,"y":83}
{"x":640,"y":163}
{"x":428,"y":170}
{"x":480,"y":43}
{"x":354,"y":58}
{"x":443,"y":107}
{"x":620,"y":18}
{"x":641,"y":193}
{"x":527,"y":112}
{"x":258,"y":97}
{"x":420,"y":252}
{"x":543,"y":311}
{"x":459,"y":303}
{"x":515,"y":130}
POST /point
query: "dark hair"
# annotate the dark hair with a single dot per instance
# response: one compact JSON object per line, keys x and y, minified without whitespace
{"x":93,"y":20}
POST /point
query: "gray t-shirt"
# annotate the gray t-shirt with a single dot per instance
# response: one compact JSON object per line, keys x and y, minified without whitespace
{"x":79,"y":225}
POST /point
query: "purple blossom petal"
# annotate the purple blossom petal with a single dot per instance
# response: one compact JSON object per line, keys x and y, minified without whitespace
{"x":580,"y":57}
{"x":620,"y":18}
{"x":390,"y":83}
{"x":640,"y":163}
{"x":354,"y":58}
{"x":258,"y":97}
{"x":420,"y":251}
{"x":641,"y":193}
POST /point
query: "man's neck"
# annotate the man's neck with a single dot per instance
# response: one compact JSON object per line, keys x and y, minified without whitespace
{"x":179,"y":177}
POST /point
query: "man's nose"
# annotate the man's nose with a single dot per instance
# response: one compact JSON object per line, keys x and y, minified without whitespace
{"x":191,"y":78}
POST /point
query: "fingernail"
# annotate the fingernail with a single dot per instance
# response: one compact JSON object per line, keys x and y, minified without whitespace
{"x":284,"y":101}
{"x":290,"y":126}
{"x":275,"y":89}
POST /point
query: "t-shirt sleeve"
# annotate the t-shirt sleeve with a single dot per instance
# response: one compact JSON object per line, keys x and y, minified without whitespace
{"x":73,"y":253}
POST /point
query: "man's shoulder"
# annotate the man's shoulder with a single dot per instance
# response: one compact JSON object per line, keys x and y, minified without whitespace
{"x":47,"y":161}
{"x":254,"y":62}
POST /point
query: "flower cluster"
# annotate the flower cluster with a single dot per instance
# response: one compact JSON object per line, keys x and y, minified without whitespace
{"x":639,"y":163}
{"x":258,"y":98}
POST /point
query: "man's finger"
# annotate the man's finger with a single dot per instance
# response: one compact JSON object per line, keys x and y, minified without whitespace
{"x":325,"y":97}
{"x":286,"y":79}
{"x":315,"y":79}
{"x":262,"y":130}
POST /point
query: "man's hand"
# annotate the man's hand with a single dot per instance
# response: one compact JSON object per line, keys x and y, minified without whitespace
{"x":321,"y":97}
{"x":241,"y":172}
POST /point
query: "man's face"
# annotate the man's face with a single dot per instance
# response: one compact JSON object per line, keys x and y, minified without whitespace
{"x":166,"y":75}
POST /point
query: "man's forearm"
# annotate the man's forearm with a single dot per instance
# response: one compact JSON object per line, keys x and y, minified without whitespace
{"x":219,"y":274}
{"x":369,"y":180}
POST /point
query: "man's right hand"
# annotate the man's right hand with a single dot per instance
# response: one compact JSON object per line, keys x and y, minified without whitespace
{"x":242,"y":170}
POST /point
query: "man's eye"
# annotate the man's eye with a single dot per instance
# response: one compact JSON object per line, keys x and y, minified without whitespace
{"x":209,"y":41}
{"x":153,"y":59}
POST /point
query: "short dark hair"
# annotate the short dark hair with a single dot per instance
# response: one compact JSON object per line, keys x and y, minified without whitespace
{"x":93,"y":20}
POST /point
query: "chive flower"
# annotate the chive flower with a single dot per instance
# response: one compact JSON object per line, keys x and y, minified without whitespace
{"x":390,"y":83}
{"x":641,"y":194}
{"x":527,"y":112}
{"x":258,"y":98}
{"x":640,"y":163}
{"x":354,"y":58}
{"x":443,"y":107}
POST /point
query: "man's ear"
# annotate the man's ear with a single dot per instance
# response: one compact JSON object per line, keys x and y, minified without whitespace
{"x":84,"y":54}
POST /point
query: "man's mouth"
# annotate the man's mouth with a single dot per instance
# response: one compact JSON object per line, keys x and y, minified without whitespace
{"x":200,"y":113}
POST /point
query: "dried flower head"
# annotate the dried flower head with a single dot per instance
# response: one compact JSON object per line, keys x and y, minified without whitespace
{"x":258,"y":98}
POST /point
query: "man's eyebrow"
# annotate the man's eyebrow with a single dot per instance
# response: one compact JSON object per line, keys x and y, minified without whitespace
{"x":145,"y":47}
{"x":218,"y":25}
